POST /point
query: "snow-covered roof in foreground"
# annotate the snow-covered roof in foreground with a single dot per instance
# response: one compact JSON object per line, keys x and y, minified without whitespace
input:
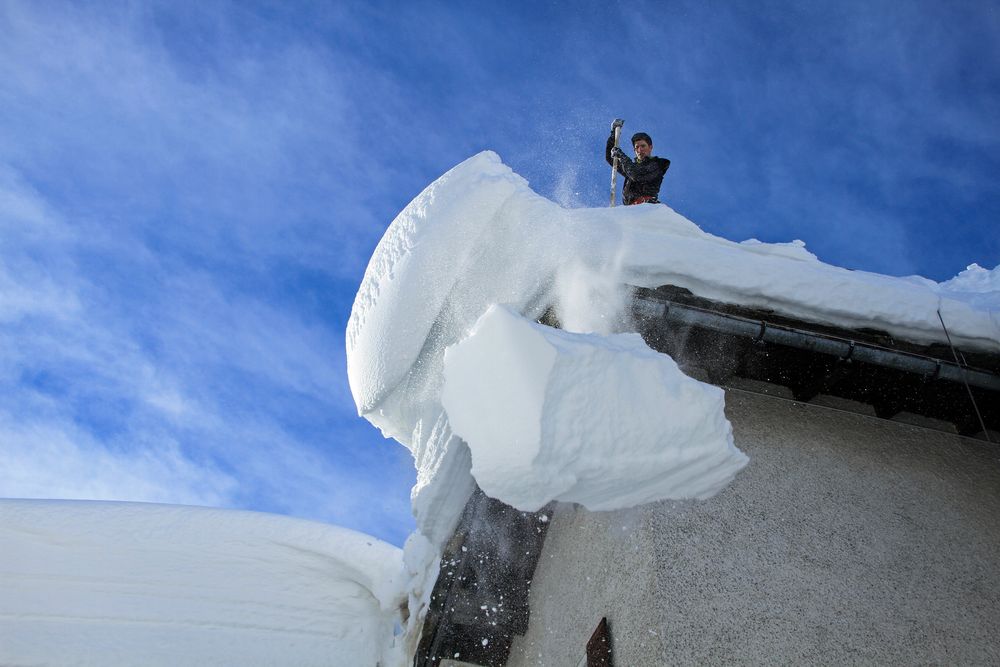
{"x":479,"y":236}
{"x":96,"y":583}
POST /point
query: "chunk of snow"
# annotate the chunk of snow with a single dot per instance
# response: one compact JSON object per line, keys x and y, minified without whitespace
{"x":793,"y":250}
{"x":97,"y":583}
{"x":977,"y":286}
{"x":601,"y":421}
{"x":975,"y":279}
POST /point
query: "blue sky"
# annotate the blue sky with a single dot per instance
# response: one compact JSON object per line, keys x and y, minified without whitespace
{"x":190,"y":192}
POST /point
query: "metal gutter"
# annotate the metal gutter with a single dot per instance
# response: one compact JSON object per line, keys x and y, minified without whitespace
{"x":843,"y":348}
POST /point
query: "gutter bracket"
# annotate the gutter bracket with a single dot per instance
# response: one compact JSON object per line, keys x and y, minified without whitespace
{"x":759,"y":338}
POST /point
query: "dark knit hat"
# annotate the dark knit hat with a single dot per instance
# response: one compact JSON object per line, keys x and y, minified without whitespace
{"x":641,"y":135}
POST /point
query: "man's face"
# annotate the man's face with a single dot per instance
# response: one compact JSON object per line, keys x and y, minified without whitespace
{"x":642,"y":149}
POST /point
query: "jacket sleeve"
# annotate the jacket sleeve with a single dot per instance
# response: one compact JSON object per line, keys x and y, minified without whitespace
{"x":611,"y":161}
{"x":627,"y":169}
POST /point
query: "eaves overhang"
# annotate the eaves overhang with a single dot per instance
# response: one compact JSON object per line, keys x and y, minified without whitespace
{"x":727,"y":341}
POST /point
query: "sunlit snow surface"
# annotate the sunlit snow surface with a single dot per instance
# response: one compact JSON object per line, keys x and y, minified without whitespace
{"x":96,"y":583}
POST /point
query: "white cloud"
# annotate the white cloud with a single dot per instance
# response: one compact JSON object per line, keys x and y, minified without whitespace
{"x":58,"y":460}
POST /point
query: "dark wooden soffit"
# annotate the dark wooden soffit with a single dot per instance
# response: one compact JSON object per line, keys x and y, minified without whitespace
{"x":807,"y":373}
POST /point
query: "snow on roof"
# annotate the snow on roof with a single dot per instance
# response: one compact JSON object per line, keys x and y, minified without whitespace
{"x":99,"y":583}
{"x":479,"y":236}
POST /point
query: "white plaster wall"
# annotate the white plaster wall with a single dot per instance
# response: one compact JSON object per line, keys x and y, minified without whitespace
{"x":848,"y":539}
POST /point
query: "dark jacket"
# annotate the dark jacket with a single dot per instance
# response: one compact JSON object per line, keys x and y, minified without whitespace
{"x":642,"y":178}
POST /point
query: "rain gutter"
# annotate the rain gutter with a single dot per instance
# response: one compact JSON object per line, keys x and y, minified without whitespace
{"x":844,"y":349}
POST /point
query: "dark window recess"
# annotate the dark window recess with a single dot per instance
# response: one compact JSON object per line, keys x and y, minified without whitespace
{"x":480,"y":599}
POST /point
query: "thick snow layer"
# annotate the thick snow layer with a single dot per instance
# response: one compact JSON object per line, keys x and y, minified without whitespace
{"x":603,"y":421}
{"x":463,"y":244}
{"x":479,"y":235}
{"x":93,"y":583}
{"x":768,"y":276}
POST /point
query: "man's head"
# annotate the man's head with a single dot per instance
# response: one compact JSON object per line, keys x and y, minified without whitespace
{"x":642,"y":144}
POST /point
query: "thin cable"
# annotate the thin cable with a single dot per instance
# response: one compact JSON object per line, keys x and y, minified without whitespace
{"x":961,"y":368}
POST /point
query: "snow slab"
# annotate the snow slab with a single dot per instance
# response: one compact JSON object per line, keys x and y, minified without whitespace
{"x":101,"y":583}
{"x":479,"y":236}
{"x":603,"y":421}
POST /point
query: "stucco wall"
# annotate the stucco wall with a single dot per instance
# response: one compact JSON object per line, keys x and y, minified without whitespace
{"x":847,"y":539}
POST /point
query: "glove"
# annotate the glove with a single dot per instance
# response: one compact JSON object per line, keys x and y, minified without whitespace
{"x":618,"y":154}
{"x":618,"y":122}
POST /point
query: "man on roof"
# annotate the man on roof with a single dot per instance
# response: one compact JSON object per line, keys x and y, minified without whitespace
{"x":642,"y":176}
